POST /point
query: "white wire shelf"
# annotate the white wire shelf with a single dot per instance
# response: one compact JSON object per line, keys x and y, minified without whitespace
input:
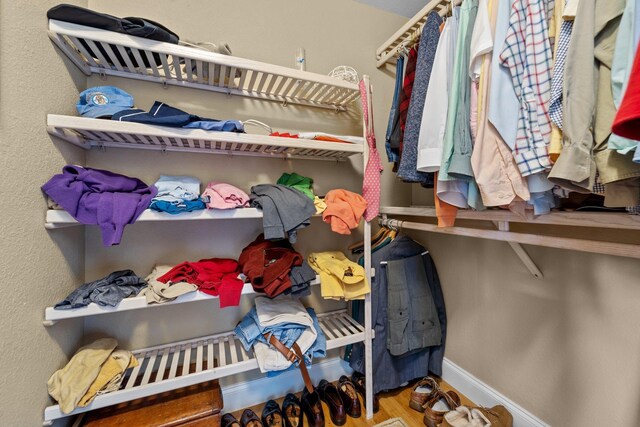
{"x":56,"y":218}
{"x":99,"y":133}
{"x":180,"y":364}
{"x":108,"y":53}
{"x":51,"y":315}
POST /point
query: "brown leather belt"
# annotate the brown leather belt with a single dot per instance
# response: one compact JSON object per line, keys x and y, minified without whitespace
{"x":293,"y":355}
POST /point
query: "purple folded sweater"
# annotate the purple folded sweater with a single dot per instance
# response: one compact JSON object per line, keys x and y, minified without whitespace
{"x":94,"y":196}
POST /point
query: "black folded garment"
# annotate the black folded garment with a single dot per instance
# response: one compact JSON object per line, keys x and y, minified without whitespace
{"x":139,"y":27}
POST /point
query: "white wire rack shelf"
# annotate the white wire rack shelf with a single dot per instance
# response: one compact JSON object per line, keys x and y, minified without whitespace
{"x":410,"y":31}
{"x":98,"y":133}
{"x":180,"y":364}
{"x":103,"y":52}
{"x":52,"y":316}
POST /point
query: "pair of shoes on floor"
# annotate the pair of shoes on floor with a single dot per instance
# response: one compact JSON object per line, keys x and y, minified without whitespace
{"x":427,"y":395}
{"x":358,"y":381}
{"x":272,"y":416}
{"x":341,"y":400}
{"x":463,"y":416}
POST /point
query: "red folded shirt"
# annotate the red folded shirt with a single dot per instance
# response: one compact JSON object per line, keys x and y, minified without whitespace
{"x":214,"y":276}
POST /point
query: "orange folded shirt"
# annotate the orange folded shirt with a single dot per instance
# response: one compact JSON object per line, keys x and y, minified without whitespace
{"x":344,"y":210}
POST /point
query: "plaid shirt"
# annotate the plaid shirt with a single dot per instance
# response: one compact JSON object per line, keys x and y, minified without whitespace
{"x":527,"y":54}
{"x":555,"y":105}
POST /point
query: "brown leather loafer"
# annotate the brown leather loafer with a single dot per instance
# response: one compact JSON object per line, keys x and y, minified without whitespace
{"x":432,"y":417}
{"x":250,"y":419}
{"x":358,"y":381}
{"x":312,"y":408}
{"x":423,"y":391}
{"x":329,"y":395}
{"x":349,"y":397}
{"x":291,"y":411}
{"x":228,"y":420}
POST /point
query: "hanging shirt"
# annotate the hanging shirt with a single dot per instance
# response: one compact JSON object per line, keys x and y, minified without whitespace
{"x":527,"y":55}
{"x":434,"y":116}
{"x":394,"y":114}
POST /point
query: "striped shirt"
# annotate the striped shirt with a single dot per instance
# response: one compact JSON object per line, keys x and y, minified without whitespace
{"x":527,"y":55}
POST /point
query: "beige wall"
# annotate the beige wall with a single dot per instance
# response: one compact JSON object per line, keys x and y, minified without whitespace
{"x":38,"y":267}
{"x":566,"y":347}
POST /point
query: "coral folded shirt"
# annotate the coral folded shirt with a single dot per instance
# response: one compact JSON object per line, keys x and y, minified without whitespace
{"x":344,"y":210}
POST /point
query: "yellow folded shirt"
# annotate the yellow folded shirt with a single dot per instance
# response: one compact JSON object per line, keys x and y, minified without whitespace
{"x":69,"y":384}
{"x":339,"y":276}
{"x":110,"y":375}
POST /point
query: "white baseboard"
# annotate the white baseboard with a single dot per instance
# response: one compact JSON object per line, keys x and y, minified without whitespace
{"x":253,"y":392}
{"x":482,"y":394}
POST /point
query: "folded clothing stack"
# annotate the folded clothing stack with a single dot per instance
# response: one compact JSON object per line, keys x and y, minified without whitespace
{"x":344,"y":210}
{"x":285,"y":210}
{"x":289,"y":322}
{"x":95,"y":369}
{"x":213,"y":276}
{"x":339,"y":277}
{"x":177,"y":194}
{"x":219,"y":195}
{"x":94,"y":196}
{"x":274,"y":268}
{"x":108,"y":291}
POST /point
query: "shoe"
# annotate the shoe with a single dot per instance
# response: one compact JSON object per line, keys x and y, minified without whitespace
{"x":271,"y":415}
{"x":358,"y":381}
{"x":498,"y":416}
{"x":228,"y":420}
{"x":312,"y":408}
{"x":423,"y":391}
{"x":291,"y":411}
{"x":433,"y":418}
{"x":250,"y":419}
{"x":349,"y":397}
{"x":329,"y":395}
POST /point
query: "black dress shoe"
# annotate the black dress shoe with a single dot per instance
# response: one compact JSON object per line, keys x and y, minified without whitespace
{"x":312,"y":408}
{"x":329,"y":395}
{"x":250,"y":419}
{"x":349,"y":397}
{"x":271,"y":415}
{"x":228,"y":420}
{"x":291,"y":411}
{"x":358,"y":381}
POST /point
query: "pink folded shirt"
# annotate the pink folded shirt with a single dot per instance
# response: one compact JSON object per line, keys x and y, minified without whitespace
{"x":224,"y":196}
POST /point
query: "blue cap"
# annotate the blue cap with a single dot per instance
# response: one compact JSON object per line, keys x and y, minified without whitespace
{"x":103,"y":101}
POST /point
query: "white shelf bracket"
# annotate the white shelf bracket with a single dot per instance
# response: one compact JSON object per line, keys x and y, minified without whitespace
{"x":520,"y":252}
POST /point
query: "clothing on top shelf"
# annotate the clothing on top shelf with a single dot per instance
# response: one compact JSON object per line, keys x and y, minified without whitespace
{"x":158,"y":292}
{"x":320,"y":136}
{"x":299,"y":182}
{"x":270,"y":267}
{"x":213,"y":276}
{"x":344,"y":210}
{"x":94,"y":196}
{"x":391,"y":371}
{"x":285,"y":210}
{"x":219,"y":195}
{"x":161,"y":114}
{"x":407,"y":169}
{"x":177,"y":194}
{"x":89,"y":371}
{"x":289,"y":322}
{"x":339,"y":277}
{"x":106,"y":292}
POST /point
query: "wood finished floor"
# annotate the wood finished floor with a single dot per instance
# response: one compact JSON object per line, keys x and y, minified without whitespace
{"x":392,"y":404}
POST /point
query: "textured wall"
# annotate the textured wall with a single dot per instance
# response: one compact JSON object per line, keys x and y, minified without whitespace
{"x":565,"y":347}
{"x":38,"y":267}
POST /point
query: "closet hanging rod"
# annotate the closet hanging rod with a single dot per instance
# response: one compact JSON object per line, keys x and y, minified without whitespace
{"x":410,"y":31}
{"x":583,"y":245}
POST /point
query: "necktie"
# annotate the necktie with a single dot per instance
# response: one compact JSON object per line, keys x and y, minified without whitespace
{"x":371,"y":182}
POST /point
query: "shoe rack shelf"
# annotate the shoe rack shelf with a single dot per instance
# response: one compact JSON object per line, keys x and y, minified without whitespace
{"x":103,"y":52}
{"x":99,"y":134}
{"x":180,"y":364}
